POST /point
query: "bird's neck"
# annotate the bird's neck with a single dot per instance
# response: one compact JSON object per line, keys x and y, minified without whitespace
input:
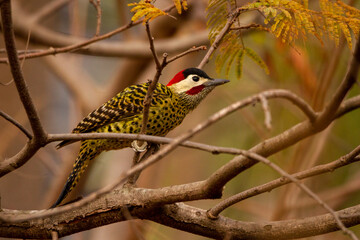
{"x":192,"y":101}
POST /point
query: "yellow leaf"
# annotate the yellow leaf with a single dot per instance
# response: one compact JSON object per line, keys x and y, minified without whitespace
{"x":180,"y":4}
{"x":239,"y":63}
{"x":253,"y":55}
{"x":146,"y":10}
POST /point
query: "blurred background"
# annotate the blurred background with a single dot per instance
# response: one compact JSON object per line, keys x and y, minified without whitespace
{"x":66,"y":87}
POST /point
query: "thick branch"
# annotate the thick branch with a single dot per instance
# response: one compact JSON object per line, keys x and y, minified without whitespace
{"x":138,"y":203}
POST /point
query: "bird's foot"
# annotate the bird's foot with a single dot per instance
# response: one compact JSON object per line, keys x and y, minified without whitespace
{"x":138,"y":148}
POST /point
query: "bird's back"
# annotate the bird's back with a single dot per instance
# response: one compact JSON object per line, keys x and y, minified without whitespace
{"x":124,"y":113}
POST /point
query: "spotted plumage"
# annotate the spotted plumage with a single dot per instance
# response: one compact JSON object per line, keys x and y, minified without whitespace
{"x":124,"y":114}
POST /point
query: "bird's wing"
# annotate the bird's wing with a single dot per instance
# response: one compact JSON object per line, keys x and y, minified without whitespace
{"x":124,"y":105}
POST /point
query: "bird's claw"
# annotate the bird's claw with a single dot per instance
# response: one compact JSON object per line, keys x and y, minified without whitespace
{"x":138,"y":148}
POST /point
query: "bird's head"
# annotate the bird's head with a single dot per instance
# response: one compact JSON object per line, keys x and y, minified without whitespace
{"x":193,"y":85}
{"x":192,"y":81}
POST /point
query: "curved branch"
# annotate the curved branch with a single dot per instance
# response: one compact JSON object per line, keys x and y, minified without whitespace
{"x":39,"y":133}
{"x":348,"y":106}
{"x":16,"y":124}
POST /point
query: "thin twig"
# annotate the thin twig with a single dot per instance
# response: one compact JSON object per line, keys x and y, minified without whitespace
{"x":16,"y":124}
{"x":152,"y":47}
{"x":98,"y":16}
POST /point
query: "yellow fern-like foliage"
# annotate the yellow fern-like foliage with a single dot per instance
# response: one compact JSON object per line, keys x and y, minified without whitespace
{"x":145,"y":9}
{"x":180,"y":5}
{"x":232,"y":50}
{"x":285,"y":19}
{"x":290,"y":20}
{"x":232,"y":55}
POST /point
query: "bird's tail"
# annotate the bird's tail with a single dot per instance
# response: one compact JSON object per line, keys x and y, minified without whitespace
{"x":86,"y":154}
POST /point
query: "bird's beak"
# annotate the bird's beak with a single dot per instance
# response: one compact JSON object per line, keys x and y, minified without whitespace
{"x":215,"y":82}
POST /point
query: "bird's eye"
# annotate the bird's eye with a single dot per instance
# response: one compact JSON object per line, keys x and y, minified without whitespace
{"x":195,"y":78}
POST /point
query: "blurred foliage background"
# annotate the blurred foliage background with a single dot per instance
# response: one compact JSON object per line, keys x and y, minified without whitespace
{"x":65,"y":87}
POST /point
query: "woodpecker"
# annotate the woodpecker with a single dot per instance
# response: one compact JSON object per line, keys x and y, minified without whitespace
{"x":124,"y":114}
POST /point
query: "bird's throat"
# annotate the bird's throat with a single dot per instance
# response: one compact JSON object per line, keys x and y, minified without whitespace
{"x":195,"y":90}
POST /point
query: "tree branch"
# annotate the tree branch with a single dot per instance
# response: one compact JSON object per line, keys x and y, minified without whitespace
{"x":138,"y":202}
{"x":16,"y":124}
{"x":98,"y":15}
{"x":267,"y":187}
{"x":39,"y":133}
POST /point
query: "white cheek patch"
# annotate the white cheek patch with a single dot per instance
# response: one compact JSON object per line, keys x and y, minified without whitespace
{"x":187,"y":84}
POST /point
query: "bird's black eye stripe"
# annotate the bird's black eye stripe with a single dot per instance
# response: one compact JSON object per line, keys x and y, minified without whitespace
{"x":195,"y":78}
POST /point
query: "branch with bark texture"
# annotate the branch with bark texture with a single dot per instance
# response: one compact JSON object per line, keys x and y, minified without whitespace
{"x":139,"y":203}
{"x":16,"y":124}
